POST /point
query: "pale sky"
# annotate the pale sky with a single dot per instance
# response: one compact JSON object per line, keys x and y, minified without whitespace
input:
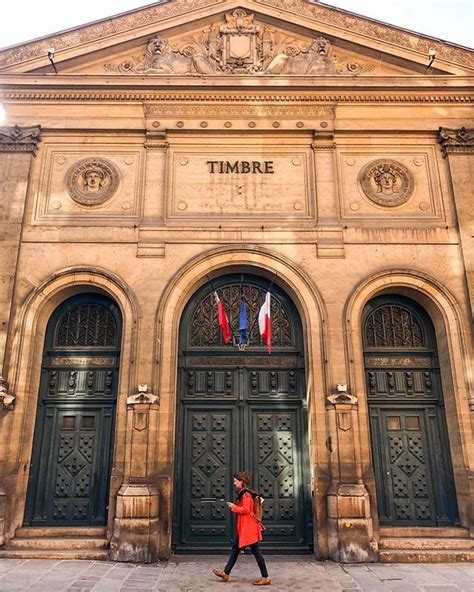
{"x":450,"y":20}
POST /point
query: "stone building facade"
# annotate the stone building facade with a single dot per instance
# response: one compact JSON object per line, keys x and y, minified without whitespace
{"x":238,"y":147}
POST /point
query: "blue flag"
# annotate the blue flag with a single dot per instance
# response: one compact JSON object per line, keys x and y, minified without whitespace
{"x":243,"y":325}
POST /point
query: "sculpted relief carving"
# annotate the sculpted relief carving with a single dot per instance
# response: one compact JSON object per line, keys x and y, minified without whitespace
{"x":239,"y":46}
{"x":90,"y":181}
{"x":387,"y":182}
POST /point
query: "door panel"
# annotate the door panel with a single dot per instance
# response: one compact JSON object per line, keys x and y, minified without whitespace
{"x":73,"y":442}
{"x":410,"y":447}
{"x":209,"y":450}
{"x":76,"y":445}
{"x":403,"y":466}
{"x":217,"y":442}
{"x":241,"y":409}
{"x":277,"y":468}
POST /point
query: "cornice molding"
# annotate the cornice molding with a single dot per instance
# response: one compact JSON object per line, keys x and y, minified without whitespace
{"x":19,"y":139}
{"x":452,"y":141}
{"x":373,"y":29}
{"x":89,"y":33}
{"x":136,"y":96}
{"x":161,"y":12}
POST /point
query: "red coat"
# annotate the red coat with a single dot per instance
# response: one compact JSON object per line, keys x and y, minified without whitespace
{"x":249,"y":530}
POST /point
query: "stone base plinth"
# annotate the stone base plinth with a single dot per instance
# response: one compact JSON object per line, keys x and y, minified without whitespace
{"x":350,"y":531}
{"x":135,"y":536}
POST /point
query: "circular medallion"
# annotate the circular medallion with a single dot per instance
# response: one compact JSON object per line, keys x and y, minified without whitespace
{"x":92,"y":181}
{"x":387,"y":182}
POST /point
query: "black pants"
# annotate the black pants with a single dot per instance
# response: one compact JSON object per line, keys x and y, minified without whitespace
{"x":257,"y":553}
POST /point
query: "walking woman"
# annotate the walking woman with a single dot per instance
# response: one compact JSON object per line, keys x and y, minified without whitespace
{"x":249,"y":529}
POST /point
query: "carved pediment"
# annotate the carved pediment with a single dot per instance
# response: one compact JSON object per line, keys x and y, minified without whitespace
{"x":240,"y":45}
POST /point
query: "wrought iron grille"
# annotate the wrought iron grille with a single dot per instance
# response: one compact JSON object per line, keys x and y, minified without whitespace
{"x":393,"y":325}
{"x":205,"y":331}
{"x":88,"y":325}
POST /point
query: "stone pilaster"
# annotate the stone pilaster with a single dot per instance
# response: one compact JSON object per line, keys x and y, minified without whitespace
{"x":457,"y":146}
{"x":350,"y":530}
{"x":330,"y":240}
{"x":135,"y":532}
{"x":17,"y":147}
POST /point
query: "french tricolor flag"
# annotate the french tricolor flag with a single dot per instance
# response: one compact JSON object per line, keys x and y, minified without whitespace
{"x":265,"y":322}
{"x":223,"y":320}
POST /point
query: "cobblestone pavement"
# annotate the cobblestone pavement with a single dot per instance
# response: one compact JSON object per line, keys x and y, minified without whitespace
{"x":193,"y":573}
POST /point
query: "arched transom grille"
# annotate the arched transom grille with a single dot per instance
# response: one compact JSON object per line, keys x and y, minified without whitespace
{"x":393,"y":325}
{"x":205,"y":330}
{"x":88,"y":325}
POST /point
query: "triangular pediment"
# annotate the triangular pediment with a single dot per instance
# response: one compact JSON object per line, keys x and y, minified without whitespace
{"x":246,"y":38}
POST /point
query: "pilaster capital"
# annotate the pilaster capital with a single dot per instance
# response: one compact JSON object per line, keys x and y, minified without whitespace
{"x":19,"y":139}
{"x":156,"y":140}
{"x":323,"y":140}
{"x":456,"y":140}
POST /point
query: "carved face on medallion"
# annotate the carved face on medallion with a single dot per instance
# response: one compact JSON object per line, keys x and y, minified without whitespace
{"x":92,"y":181}
{"x":387,"y":182}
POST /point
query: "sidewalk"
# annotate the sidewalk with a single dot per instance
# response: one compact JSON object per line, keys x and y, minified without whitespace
{"x":193,"y":573}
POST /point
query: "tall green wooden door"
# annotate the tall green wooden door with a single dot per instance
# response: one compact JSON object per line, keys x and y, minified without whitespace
{"x":241,"y":410}
{"x":411,"y":454}
{"x":73,"y":442}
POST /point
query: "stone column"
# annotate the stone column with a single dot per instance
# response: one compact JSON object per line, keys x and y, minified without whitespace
{"x":17,"y":147}
{"x":135,"y":532}
{"x":350,"y":530}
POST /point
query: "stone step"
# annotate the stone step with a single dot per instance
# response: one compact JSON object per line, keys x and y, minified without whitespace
{"x":426,"y":556}
{"x":57,"y":543}
{"x":60,"y":531}
{"x":421,"y":543}
{"x":424,"y":531}
{"x":90,"y":554}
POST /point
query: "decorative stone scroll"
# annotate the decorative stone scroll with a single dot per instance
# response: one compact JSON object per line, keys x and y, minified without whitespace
{"x":387,"y":182}
{"x":456,"y":140}
{"x":241,"y":46}
{"x":19,"y":139}
{"x":7,"y":400}
{"x":92,"y":181}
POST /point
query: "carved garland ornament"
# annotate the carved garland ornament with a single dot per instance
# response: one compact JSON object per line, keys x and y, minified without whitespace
{"x":387,"y":182}
{"x":92,"y":181}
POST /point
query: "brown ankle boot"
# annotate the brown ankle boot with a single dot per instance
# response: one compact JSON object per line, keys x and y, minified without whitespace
{"x":220,"y":574}
{"x":262,"y":582}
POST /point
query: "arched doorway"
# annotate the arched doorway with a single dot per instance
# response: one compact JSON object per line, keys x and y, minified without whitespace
{"x":410,"y":448}
{"x":73,"y":440}
{"x":241,"y":409}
